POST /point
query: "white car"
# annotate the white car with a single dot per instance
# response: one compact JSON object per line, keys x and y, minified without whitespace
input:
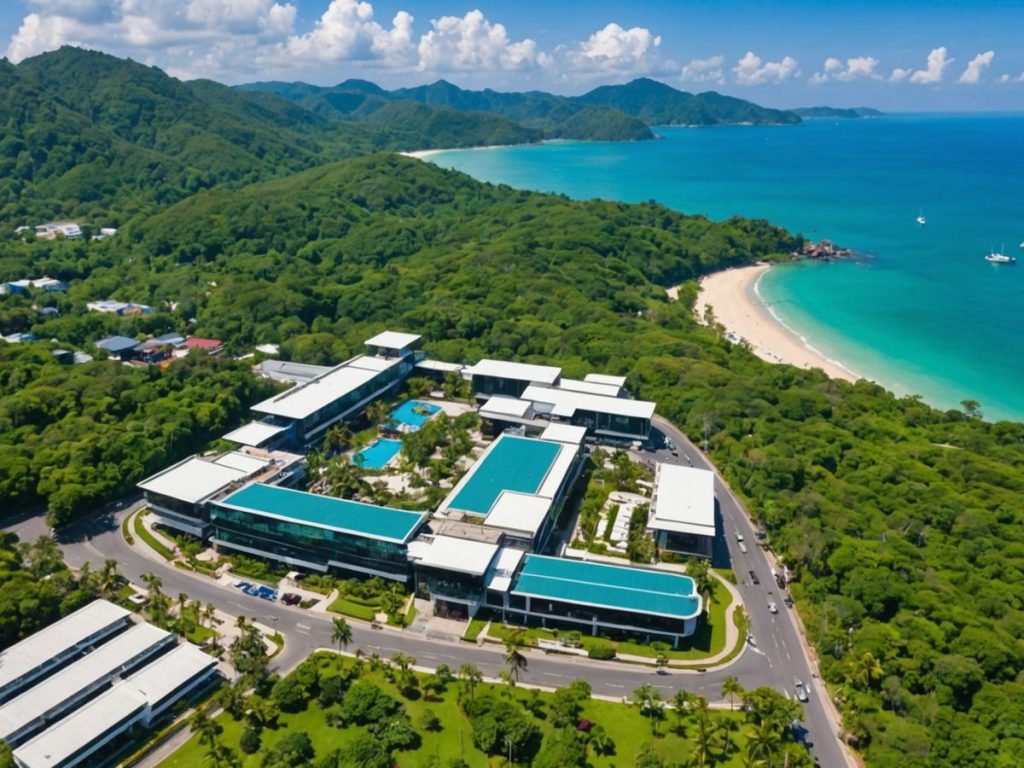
{"x":801,"y":689}
{"x":772,"y":607}
{"x":739,"y":536}
{"x":743,"y":548}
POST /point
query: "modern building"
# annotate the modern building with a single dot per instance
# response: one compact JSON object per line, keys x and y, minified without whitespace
{"x":307,"y":410}
{"x":109,"y":306}
{"x":53,"y":229}
{"x":603,"y":414}
{"x":597,"y":597}
{"x":317,"y":533}
{"x":284,"y":370}
{"x":212,"y":347}
{"x":180,"y":495}
{"x":682,"y":515}
{"x":137,"y":700}
{"x":119,"y":346}
{"x":64,"y":640}
{"x":48,"y":701}
{"x":47,"y":284}
{"x":517,"y":486}
{"x":498,"y":377}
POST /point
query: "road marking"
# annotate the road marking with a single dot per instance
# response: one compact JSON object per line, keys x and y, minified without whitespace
{"x":613,"y":685}
{"x":302,"y":626}
{"x":302,"y":631}
{"x":553,"y":674}
{"x":396,"y":650}
{"x":428,"y":656}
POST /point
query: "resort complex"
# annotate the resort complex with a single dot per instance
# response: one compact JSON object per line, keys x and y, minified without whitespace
{"x":72,"y":688}
{"x":489,"y":542}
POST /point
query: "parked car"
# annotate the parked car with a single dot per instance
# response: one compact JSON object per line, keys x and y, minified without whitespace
{"x":753,"y":577}
{"x":801,"y":689}
{"x":788,"y":601}
{"x":290,"y":598}
{"x":242,"y":585}
{"x":750,"y":639}
{"x":266,"y":593}
{"x":739,"y":536}
{"x":743,"y":548}
{"x":772,"y":607}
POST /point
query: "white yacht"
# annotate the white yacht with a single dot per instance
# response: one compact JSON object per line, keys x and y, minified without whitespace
{"x":1000,"y":258}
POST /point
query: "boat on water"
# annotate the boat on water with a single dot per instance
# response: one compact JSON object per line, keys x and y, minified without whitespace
{"x":921,"y":219}
{"x":998,"y":257}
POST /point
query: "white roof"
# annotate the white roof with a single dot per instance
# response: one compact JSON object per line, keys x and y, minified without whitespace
{"x":158,"y":680}
{"x":242,"y":462}
{"x":564,"y":433}
{"x":254,"y":433}
{"x":306,"y":399}
{"x":590,"y":387}
{"x":438,"y":365}
{"x":103,"y":663}
{"x":557,"y":471}
{"x":506,"y":406}
{"x":565,"y":402}
{"x":193,"y":480}
{"x":57,"y":639}
{"x":461,"y":555}
{"x":499,"y":577}
{"x":76,"y":731}
{"x":684,"y":500}
{"x":393,"y":340}
{"x":606,"y":378}
{"x":521,"y":512}
{"x":540,"y":374}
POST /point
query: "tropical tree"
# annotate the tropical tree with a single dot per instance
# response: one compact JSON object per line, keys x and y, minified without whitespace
{"x":153,"y":583}
{"x":731,"y":688}
{"x":866,"y":671}
{"x":763,"y":741}
{"x":681,"y":702}
{"x":205,"y":727}
{"x":109,"y":578}
{"x":648,"y":701}
{"x":470,"y":675}
{"x":661,"y":661}
{"x":599,"y":741}
{"x":341,"y":635}
{"x":515,"y":643}
{"x":698,"y":569}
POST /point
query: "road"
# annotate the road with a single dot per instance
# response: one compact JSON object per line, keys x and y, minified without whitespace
{"x":774,"y":661}
{"x":778,"y":643}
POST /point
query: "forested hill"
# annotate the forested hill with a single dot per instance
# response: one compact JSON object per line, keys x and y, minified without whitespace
{"x":902,"y":524}
{"x":820,"y":113}
{"x":611,"y":112}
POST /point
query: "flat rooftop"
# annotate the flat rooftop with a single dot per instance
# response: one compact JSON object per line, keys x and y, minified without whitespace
{"x":605,"y":378}
{"x":519,"y":512}
{"x":160,"y":679}
{"x":565,"y":402}
{"x":499,"y":405}
{"x":459,"y":555}
{"x":307,"y":398}
{"x":341,"y":515}
{"x":510,"y":463}
{"x":75,"y":732}
{"x":684,"y":500}
{"x":636,"y":590}
{"x":393,"y":340}
{"x":86,"y":673}
{"x":590,"y":387}
{"x":540,"y":374}
{"x":254,"y":433}
{"x":285,"y":370}
{"x":196,"y":479}
{"x":564,"y":433}
{"x":38,"y":650}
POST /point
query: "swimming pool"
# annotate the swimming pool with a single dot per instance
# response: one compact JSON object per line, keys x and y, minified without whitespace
{"x":414,"y":413}
{"x":377,"y":454}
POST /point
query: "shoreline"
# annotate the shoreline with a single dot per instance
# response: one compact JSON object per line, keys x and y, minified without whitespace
{"x":735,"y":302}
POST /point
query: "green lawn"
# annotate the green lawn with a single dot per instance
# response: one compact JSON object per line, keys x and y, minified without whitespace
{"x":629,"y":731}
{"x":347,"y":607}
{"x":143,"y":533}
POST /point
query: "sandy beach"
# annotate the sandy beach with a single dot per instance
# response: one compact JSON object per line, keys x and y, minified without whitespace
{"x":735,"y":306}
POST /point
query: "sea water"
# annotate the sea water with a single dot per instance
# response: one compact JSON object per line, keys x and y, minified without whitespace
{"x":918,"y":310}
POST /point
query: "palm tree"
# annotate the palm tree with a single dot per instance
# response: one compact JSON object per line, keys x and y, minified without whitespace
{"x":661,"y":661}
{"x":731,"y":687}
{"x":152,"y":582}
{"x":681,"y":703}
{"x":704,"y":738}
{"x":599,"y":740}
{"x":763,"y":741}
{"x":109,"y":578}
{"x":703,"y":581}
{"x":341,"y":635}
{"x":470,"y":676}
{"x":206,"y":728}
{"x":867,"y":670}
{"x":514,"y":645}
{"x":648,"y":701}
{"x":209,"y":613}
{"x":377,"y":411}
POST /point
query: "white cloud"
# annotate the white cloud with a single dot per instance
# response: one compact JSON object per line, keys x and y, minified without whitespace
{"x":751,"y":71}
{"x":616,"y":48}
{"x":704,"y":71}
{"x":472,"y":43}
{"x":346,"y":31}
{"x":854,"y":68}
{"x":977,"y":65}
{"x":899,"y":75}
{"x":938,"y":62}
{"x":1011,"y":78}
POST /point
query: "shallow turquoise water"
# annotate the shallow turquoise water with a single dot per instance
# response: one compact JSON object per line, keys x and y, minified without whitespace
{"x":919,"y":311}
{"x":377,"y":454}
{"x":414,"y":413}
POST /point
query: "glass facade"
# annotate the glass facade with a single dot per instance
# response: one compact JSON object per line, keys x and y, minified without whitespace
{"x":442,"y":583}
{"x":309,"y":428}
{"x":485,"y":386}
{"x":290,"y":539}
{"x":633,"y":426}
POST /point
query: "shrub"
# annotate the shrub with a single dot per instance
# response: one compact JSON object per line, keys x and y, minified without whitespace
{"x":250,"y":741}
{"x":602,"y":651}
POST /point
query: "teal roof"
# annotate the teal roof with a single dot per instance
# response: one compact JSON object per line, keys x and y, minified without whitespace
{"x":325,"y":512}
{"x":637,"y":590}
{"x":512,"y":464}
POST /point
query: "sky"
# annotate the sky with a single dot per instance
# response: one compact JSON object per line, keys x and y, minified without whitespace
{"x":897,"y":56}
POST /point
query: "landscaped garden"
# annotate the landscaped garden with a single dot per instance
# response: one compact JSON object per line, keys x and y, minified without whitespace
{"x":335,"y":712}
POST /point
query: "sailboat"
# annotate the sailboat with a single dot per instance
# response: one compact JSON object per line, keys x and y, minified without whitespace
{"x":1000,"y":257}
{"x":920,"y":217}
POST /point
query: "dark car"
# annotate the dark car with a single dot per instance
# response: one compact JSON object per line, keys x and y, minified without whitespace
{"x":753,"y":577}
{"x":788,"y":601}
{"x":290,"y":598}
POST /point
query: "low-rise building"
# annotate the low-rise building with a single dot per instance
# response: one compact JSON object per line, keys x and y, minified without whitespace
{"x":682,"y":515}
{"x":120,"y":347}
{"x":54,"y":229}
{"x":47,"y":284}
{"x":109,"y":306}
{"x":499,"y":377}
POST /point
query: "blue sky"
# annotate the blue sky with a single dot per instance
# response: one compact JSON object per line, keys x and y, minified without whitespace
{"x":911,"y":55}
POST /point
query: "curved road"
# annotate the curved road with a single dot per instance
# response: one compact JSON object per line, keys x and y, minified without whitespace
{"x":774,"y":661}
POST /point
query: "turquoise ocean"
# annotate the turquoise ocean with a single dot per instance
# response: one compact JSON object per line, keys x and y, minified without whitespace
{"x":918,"y":310}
